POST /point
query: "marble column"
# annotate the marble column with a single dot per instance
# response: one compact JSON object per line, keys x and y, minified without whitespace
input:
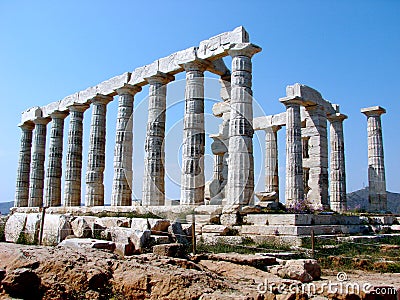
{"x":36,"y":183}
{"x":271,"y":160}
{"x":73,"y":170}
{"x":376,"y":165}
{"x":192,"y":181}
{"x":240,"y":184}
{"x":96,"y":156}
{"x":153,"y":181}
{"x":52,"y":195}
{"x":294,"y":192}
{"x":122,"y":183}
{"x":337,"y":164}
{"x":24,"y":162}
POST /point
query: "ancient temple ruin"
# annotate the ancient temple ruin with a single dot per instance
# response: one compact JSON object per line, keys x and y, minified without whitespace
{"x":311,"y":177}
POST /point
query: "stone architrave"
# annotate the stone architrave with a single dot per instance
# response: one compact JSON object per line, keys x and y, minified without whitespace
{"x":52,"y":195}
{"x":376,"y":164}
{"x":36,"y":183}
{"x":153,"y":181}
{"x":240,"y":184}
{"x":73,"y":170}
{"x":96,"y":156}
{"x":24,"y":164}
{"x":122,"y":183}
{"x":338,"y":201}
{"x":294,"y":192}
{"x":192,"y":181}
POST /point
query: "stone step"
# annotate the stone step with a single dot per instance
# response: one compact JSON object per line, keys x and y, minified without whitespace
{"x":160,"y":239}
{"x":300,"y":219}
{"x":297,"y":230}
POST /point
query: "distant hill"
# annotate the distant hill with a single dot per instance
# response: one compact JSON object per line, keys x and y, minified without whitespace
{"x":5,"y":207}
{"x":359,"y":200}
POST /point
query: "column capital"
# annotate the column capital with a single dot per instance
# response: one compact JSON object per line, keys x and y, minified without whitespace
{"x":101,"y":99}
{"x":160,"y":77}
{"x":78,"y":107}
{"x":337,"y":117}
{"x":40,"y":120}
{"x":273,"y":128}
{"x":59,"y":114}
{"x":28,"y":125}
{"x":129,"y":90}
{"x":373,"y":111}
{"x":196,"y":65}
{"x":244,"y":49}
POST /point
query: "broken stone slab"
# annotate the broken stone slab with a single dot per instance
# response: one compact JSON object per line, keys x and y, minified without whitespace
{"x":219,"y":229}
{"x":14,"y":227}
{"x":158,"y":226}
{"x":141,"y":240}
{"x":55,"y":229}
{"x":87,"y":243}
{"x":177,"y":234}
{"x":81,"y":228}
{"x":114,"y":222}
{"x":230,"y":219}
{"x":120,"y":234}
{"x":171,"y":250}
{"x":214,"y":238}
{"x":124,"y":249}
{"x":160,"y":239}
{"x":304,"y":270}
{"x":267,"y":196}
{"x":203,"y":219}
{"x":32,"y":226}
{"x":139,"y":224}
{"x":208,"y":210}
{"x":257,"y":261}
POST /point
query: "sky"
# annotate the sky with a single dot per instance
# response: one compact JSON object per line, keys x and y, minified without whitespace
{"x":347,"y":50}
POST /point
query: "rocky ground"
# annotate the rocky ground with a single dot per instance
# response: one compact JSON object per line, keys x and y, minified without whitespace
{"x":32,"y":272}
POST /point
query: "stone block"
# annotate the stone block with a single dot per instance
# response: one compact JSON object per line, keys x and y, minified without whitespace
{"x":141,"y":240}
{"x":213,"y":239}
{"x":219,"y":229}
{"x":158,"y":226}
{"x":305,"y":92}
{"x":203,"y":219}
{"x":109,"y":87}
{"x":55,"y":229}
{"x":69,"y":101}
{"x":81,"y":228}
{"x":88,"y":243}
{"x":304,"y":270}
{"x":124,"y":249}
{"x":229,"y":219}
{"x":50,"y":108}
{"x":139,"y":74}
{"x":171,"y":250}
{"x":257,"y":261}
{"x":160,"y":239}
{"x":113,"y":222}
{"x":14,"y":227}
{"x":172,"y":64}
{"x":176,"y":232}
{"x":139,"y":224}
{"x":187,"y":229}
{"x":86,"y":95}
{"x":31,"y":114}
{"x":32,"y":227}
{"x":120,"y":234}
{"x":220,"y":108}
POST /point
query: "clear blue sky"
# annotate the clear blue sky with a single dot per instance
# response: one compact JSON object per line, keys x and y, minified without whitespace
{"x":348,"y":50}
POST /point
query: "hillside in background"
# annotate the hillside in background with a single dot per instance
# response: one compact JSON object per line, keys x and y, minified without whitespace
{"x":359,"y":200}
{"x":5,"y":207}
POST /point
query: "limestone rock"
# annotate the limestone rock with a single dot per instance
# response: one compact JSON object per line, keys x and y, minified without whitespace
{"x":32,"y":227}
{"x":114,"y":222}
{"x":160,"y":239}
{"x":14,"y":227}
{"x":22,"y":283}
{"x":140,"y":239}
{"x":81,"y":228}
{"x":304,"y":270}
{"x":158,"y":226}
{"x":257,"y":261}
{"x":55,"y":229}
{"x":172,"y":250}
{"x":220,"y":229}
{"x":229,"y":219}
{"x":139,"y":224}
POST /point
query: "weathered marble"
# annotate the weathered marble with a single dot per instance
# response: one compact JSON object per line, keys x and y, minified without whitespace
{"x":294,"y":191}
{"x":96,"y":156}
{"x":271,"y":160}
{"x":192,"y":181}
{"x":153,"y":181}
{"x":338,"y":201}
{"x":240,"y":184}
{"x":52,"y":195}
{"x":73,"y":170}
{"x":376,"y":164}
{"x":24,"y":162}
{"x":36,"y":177}
{"x":122,"y":183}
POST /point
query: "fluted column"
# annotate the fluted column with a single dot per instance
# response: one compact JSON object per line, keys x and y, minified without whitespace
{"x":122,"y":183}
{"x":24,"y":164}
{"x":240,"y":184}
{"x":36,"y":183}
{"x":96,"y":156}
{"x":376,"y":164}
{"x":294,"y":192}
{"x":337,"y":164}
{"x":73,"y":170}
{"x":52,"y":195}
{"x":271,"y":160}
{"x":153,"y":181}
{"x":192,"y":181}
